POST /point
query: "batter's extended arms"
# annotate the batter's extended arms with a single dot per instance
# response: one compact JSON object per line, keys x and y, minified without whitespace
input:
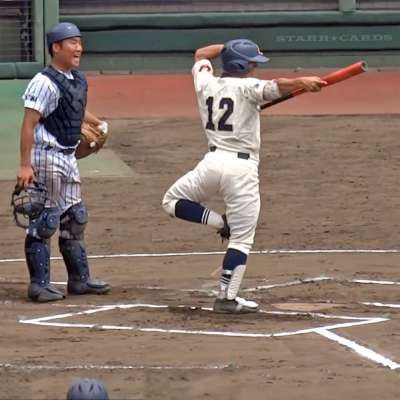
{"x":335,"y":77}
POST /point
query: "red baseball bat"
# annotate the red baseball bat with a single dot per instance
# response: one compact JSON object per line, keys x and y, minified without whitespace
{"x":335,"y":77}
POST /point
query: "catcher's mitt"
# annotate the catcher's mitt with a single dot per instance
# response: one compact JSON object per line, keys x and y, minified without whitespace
{"x":92,"y":139}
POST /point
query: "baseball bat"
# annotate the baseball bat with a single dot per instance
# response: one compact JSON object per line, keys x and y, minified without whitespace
{"x":335,"y":77}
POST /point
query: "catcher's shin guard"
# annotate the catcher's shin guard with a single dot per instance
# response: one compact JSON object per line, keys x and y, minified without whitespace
{"x":75,"y":258}
{"x":37,"y":255}
{"x":45,"y":226}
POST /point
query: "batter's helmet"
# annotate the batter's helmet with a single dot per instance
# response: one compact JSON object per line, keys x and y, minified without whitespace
{"x":238,"y":54}
{"x":61,"y":31}
{"x":87,"y":389}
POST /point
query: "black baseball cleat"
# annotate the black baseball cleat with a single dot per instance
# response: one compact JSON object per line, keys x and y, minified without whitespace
{"x":88,"y":287}
{"x":235,"y":306}
{"x":225,"y":231}
{"x":44,"y":294}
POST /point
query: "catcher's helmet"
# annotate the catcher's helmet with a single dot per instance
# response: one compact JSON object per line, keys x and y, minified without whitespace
{"x":61,"y":31}
{"x":238,"y":54}
{"x":87,"y":389}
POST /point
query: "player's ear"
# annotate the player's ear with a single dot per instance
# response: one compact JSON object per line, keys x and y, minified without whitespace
{"x":56,"y":47}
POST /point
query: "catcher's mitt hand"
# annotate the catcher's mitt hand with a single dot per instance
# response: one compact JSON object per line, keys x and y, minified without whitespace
{"x":92,"y":139}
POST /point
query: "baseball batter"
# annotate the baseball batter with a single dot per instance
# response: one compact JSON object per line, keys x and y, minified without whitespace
{"x":229,"y":111}
{"x":55,"y":106}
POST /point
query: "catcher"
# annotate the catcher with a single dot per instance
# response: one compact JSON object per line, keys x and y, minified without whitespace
{"x":48,"y":191}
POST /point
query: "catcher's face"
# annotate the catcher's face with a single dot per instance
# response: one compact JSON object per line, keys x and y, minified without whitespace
{"x":67,"y":53}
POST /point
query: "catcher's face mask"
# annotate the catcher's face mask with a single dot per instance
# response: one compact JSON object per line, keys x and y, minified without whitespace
{"x":27,"y":204}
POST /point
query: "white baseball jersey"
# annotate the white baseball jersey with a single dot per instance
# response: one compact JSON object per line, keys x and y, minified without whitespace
{"x":229,"y":108}
{"x":57,"y":171}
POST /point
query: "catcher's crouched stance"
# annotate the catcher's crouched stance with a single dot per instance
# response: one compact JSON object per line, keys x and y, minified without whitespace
{"x":56,"y":130}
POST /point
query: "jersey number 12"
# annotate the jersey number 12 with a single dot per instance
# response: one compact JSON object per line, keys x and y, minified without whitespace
{"x":225,"y":104}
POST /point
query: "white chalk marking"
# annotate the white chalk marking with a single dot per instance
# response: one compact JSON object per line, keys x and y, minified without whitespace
{"x":325,"y":331}
{"x":361,"y":350}
{"x":212,"y":253}
{"x":292,"y":283}
{"x":382,"y":305}
{"x":45,"y":321}
{"x":91,"y":311}
{"x":113,"y":367}
{"x":266,"y":287}
{"x":374,"y":282}
{"x":316,"y":279}
{"x":323,"y":251}
{"x":332,"y":327}
{"x":314,"y":315}
{"x":205,"y":332}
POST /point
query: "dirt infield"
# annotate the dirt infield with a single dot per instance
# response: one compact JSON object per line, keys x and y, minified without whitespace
{"x":326,"y":183}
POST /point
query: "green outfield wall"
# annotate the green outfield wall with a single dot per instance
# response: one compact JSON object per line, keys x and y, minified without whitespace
{"x":133,"y":42}
{"x":165,"y":42}
{"x":26,"y":32}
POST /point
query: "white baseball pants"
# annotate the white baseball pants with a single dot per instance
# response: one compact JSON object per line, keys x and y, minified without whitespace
{"x":236,"y":180}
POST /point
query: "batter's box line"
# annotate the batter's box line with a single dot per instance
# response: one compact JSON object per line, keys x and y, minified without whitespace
{"x":321,"y":278}
{"x":212,"y":253}
{"x":325,"y":331}
{"x":266,"y":287}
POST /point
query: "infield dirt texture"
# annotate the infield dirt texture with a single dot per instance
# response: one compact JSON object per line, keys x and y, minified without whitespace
{"x":327,"y":183}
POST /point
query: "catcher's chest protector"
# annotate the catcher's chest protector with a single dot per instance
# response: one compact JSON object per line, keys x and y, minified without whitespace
{"x":65,"y":121}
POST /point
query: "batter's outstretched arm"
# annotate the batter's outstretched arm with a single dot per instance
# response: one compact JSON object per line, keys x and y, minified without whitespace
{"x":308,"y":83}
{"x":25,"y":173}
{"x":208,"y":52}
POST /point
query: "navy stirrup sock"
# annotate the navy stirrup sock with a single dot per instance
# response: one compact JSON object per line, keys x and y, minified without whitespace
{"x":232,"y":259}
{"x":191,"y":211}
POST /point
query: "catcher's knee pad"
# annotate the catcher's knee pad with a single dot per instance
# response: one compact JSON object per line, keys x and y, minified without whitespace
{"x":73,"y":222}
{"x":46,"y":224}
{"x":169,"y":204}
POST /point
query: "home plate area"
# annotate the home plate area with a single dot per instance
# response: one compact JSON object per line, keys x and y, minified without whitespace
{"x":282,"y":319}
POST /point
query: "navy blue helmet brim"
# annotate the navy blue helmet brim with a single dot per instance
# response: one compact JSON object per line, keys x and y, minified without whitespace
{"x":260,"y":59}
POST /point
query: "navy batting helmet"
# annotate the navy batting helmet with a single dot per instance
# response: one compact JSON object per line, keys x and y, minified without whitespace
{"x":238,"y":54}
{"x":87,"y":389}
{"x":61,"y":31}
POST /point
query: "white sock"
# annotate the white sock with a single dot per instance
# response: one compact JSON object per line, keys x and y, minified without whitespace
{"x":213,"y":219}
